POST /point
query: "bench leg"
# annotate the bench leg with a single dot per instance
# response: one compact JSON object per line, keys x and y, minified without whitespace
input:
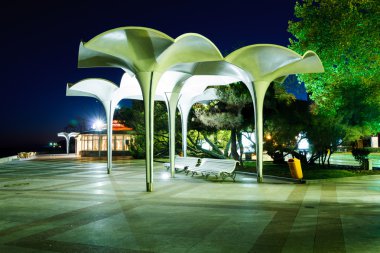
{"x":233,"y":176}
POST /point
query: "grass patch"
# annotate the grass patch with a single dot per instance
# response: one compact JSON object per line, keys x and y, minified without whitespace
{"x":13,"y":185}
{"x":310,"y":171}
{"x":161,"y":160}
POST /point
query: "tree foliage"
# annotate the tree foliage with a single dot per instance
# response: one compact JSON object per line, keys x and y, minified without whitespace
{"x":324,"y":133}
{"x":345,"y":34}
{"x":284,"y":118}
{"x":227,"y":113}
{"x":361,"y":155}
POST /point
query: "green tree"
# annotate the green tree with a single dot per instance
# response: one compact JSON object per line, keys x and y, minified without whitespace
{"x":285,"y":118}
{"x":345,"y":34}
{"x":324,"y":133}
{"x":227,"y":113}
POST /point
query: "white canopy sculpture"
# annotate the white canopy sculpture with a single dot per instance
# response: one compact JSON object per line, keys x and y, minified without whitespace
{"x":67,"y":137}
{"x":134,"y":92}
{"x":265,"y":64}
{"x":172,"y":86}
{"x":151,"y":55}
{"x":109,"y":94}
{"x":147,"y":54}
{"x":191,"y":80}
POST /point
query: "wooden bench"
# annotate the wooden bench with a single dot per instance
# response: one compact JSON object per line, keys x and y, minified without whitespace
{"x":181,"y":163}
{"x":218,"y":167}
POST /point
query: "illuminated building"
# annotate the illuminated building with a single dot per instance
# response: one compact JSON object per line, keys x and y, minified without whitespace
{"x":89,"y":143}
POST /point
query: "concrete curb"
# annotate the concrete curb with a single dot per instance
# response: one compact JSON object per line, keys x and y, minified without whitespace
{"x":310,"y":181}
{"x":339,"y":179}
{"x":271,"y":177}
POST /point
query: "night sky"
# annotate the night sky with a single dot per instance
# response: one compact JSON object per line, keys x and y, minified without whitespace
{"x":40,"y":41}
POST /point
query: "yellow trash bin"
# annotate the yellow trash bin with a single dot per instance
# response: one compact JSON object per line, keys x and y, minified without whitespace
{"x":295,"y":168}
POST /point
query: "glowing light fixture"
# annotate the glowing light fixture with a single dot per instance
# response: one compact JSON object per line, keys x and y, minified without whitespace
{"x":98,"y":125}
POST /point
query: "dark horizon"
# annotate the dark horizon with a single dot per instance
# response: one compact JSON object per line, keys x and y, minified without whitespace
{"x":41,"y":48}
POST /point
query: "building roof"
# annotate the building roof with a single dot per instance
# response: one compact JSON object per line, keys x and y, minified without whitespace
{"x":117,"y":128}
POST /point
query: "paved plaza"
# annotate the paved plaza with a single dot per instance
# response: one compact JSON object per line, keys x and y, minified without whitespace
{"x":72,"y":205}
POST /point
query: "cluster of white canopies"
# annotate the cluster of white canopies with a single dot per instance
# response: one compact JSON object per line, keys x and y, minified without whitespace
{"x":178,"y":71}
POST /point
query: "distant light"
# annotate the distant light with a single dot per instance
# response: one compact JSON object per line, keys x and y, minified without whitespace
{"x":98,"y":125}
{"x":303,"y":144}
{"x":53,"y":144}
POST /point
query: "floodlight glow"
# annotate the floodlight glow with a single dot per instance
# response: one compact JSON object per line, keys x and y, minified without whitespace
{"x":98,"y":124}
{"x":165,"y":175}
{"x":303,"y":144}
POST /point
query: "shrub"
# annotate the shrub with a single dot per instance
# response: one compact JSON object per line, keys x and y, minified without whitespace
{"x":360,"y":155}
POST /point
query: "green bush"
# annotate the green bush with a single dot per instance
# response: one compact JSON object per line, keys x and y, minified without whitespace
{"x":373,"y":150}
{"x":360,"y":155}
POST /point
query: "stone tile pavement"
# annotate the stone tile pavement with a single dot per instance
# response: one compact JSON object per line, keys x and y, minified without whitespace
{"x":72,"y":205}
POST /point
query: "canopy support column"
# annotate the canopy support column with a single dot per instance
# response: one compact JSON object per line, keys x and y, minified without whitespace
{"x":172,"y":101}
{"x":259,"y":94}
{"x":67,"y":138}
{"x":109,"y":114}
{"x":146,"y":80}
{"x":185,"y":116}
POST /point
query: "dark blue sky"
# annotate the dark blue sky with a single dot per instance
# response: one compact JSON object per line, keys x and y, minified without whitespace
{"x":40,"y":42}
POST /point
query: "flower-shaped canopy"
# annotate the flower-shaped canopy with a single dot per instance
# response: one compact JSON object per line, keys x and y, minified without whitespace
{"x":177,"y":89}
{"x":109,"y":94}
{"x":67,"y":137}
{"x":157,"y":60}
{"x":187,"y":80}
{"x":147,"y":54}
{"x":265,"y":63}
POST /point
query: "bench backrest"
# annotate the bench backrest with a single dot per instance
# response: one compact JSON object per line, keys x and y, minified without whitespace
{"x":225,"y":165}
{"x":187,"y":161}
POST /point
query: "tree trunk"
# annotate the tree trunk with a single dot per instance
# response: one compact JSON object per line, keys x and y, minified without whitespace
{"x":227,"y":149}
{"x":328,"y":157}
{"x":313,"y":158}
{"x":234,"y":153}
{"x":213,"y":145}
{"x":323,"y":158}
{"x":241,"y":147}
{"x":205,"y":151}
